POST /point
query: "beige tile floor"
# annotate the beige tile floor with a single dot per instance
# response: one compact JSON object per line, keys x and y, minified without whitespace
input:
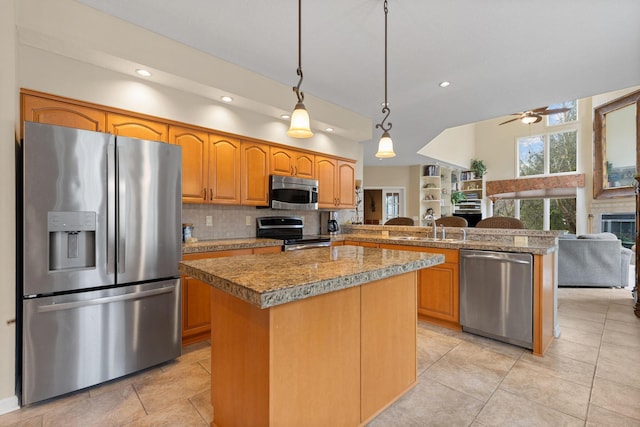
{"x":589,"y":376}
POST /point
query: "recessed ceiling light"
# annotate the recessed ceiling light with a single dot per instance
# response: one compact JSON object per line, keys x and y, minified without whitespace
{"x":285,"y":116}
{"x":444,"y":84}
{"x":143,"y":73}
{"x":226,"y":98}
{"x":329,"y":129}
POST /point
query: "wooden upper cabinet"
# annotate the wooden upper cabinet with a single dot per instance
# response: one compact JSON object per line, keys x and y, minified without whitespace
{"x":134,"y":127}
{"x":326,"y":172}
{"x":336,"y":183}
{"x":224,"y":170}
{"x":305,"y":165}
{"x":346,"y":184}
{"x":52,"y":112}
{"x":195,"y":164}
{"x":291,"y":163}
{"x":254,"y":159}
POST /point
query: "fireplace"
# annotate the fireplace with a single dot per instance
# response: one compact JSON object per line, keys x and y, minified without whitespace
{"x":622,"y":225}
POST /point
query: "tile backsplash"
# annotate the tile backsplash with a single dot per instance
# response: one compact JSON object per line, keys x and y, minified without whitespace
{"x":231,"y":221}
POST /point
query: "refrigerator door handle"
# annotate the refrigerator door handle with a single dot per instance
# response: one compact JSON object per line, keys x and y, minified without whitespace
{"x":105,"y":300}
{"x":122,"y":212}
{"x":111,"y":209}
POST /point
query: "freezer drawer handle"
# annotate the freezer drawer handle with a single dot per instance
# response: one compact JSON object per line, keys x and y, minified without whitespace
{"x":495,"y":258}
{"x":105,"y":300}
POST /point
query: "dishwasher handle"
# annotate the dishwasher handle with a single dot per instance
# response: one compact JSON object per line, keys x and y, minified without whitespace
{"x":495,"y":258}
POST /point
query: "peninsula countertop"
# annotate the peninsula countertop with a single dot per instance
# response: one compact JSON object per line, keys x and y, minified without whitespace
{"x":268,"y":280}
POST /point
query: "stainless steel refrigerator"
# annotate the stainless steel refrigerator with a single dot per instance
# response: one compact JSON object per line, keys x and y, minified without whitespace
{"x":101,"y":244}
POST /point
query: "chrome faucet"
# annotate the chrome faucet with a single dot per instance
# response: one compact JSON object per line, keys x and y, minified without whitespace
{"x":433,"y":224}
{"x":464,"y":235}
{"x":442,"y":228}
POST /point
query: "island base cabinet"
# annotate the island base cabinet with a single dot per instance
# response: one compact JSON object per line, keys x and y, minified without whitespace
{"x":336,"y":359}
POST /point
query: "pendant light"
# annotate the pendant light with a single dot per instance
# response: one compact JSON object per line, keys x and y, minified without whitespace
{"x":300,"y":127}
{"x":385,"y":146}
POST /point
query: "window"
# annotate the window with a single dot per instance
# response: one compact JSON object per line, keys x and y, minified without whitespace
{"x":566,"y":117}
{"x":540,"y":214}
{"x":506,"y":207}
{"x":562,"y":214}
{"x":547,"y":154}
{"x":393,"y":205}
{"x":530,"y":156}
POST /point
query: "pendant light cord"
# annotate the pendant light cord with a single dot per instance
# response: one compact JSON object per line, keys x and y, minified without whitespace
{"x":385,"y":109}
{"x":296,"y":89}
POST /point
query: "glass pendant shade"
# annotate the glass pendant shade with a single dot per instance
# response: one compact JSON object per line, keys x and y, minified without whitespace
{"x":300,"y":127}
{"x":385,"y":147}
{"x":527,"y":120}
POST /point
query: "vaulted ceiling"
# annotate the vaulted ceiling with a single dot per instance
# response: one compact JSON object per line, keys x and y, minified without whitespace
{"x":500,"y":56}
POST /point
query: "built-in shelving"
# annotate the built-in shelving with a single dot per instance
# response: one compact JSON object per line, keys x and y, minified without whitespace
{"x":472,"y":188}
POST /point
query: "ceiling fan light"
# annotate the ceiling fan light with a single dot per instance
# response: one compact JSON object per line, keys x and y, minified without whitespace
{"x":300,"y":127}
{"x":527,"y":120}
{"x":385,"y":147}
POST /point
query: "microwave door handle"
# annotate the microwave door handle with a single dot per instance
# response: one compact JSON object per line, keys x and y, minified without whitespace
{"x":111,"y":209}
{"x":122,"y":196}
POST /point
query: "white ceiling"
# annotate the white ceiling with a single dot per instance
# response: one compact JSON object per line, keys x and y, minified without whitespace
{"x":501,"y":56}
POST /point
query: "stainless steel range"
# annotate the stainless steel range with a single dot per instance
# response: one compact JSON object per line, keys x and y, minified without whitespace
{"x":290,"y":229}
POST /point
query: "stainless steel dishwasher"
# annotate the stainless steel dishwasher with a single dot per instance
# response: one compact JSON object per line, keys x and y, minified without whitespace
{"x":496,"y":295}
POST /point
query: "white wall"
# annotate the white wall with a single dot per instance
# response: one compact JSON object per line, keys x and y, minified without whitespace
{"x":8,"y":113}
{"x":455,"y":146}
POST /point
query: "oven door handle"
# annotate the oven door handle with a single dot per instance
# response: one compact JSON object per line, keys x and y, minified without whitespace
{"x":306,"y":246}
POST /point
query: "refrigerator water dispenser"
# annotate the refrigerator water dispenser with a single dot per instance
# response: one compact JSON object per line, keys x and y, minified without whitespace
{"x":72,"y":243}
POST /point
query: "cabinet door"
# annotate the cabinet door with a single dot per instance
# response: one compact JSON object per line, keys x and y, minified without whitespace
{"x":326,"y":172}
{"x":194,"y":162}
{"x":438,"y":286}
{"x":196,"y":310}
{"x":282,"y":161}
{"x":255,"y":174}
{"x":438,"y":292}
{"x":290,"y":162}
{"x":346,"y":187}
{"x":196,"y":300}
{"x":224,"y":170}
{"x":305,"y":165}
{"x":134,"y":127}
{"x":48,"y":111}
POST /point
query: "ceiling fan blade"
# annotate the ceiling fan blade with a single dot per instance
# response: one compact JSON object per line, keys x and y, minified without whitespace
{"x":538,"y":119}
{"x":509,"y":121}
{"x":554,"y":111}
{"x":538,"y":110}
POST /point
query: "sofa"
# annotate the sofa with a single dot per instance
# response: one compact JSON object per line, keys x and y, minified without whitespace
{"x":597,"y":260}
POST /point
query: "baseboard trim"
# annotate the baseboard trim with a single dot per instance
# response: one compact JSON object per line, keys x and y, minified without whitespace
{"x":9,"y":404}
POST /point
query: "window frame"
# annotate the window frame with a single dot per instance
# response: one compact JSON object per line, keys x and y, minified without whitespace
{"x":546,"y":150}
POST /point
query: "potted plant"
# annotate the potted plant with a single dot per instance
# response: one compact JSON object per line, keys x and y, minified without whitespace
{"x":478,"y":167}
{"x":457,"y":197}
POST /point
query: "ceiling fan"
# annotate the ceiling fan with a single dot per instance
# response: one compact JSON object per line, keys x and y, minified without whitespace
{"x":535,"y":115}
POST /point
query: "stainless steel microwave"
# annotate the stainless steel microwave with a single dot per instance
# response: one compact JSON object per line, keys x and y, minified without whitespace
{"x":287,"y":192}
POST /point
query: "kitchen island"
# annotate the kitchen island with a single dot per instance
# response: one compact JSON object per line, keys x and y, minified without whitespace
{"x":322,"y":336}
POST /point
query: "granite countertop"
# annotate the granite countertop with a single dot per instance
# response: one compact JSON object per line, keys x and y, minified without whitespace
{"x":268,"y":280}
{"x":228,"y":244}
{"x":487,"y":245}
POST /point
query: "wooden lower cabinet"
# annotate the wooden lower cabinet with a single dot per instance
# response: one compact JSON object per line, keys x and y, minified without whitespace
{"x":196,"y":296}
{"x":438,"y":287}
